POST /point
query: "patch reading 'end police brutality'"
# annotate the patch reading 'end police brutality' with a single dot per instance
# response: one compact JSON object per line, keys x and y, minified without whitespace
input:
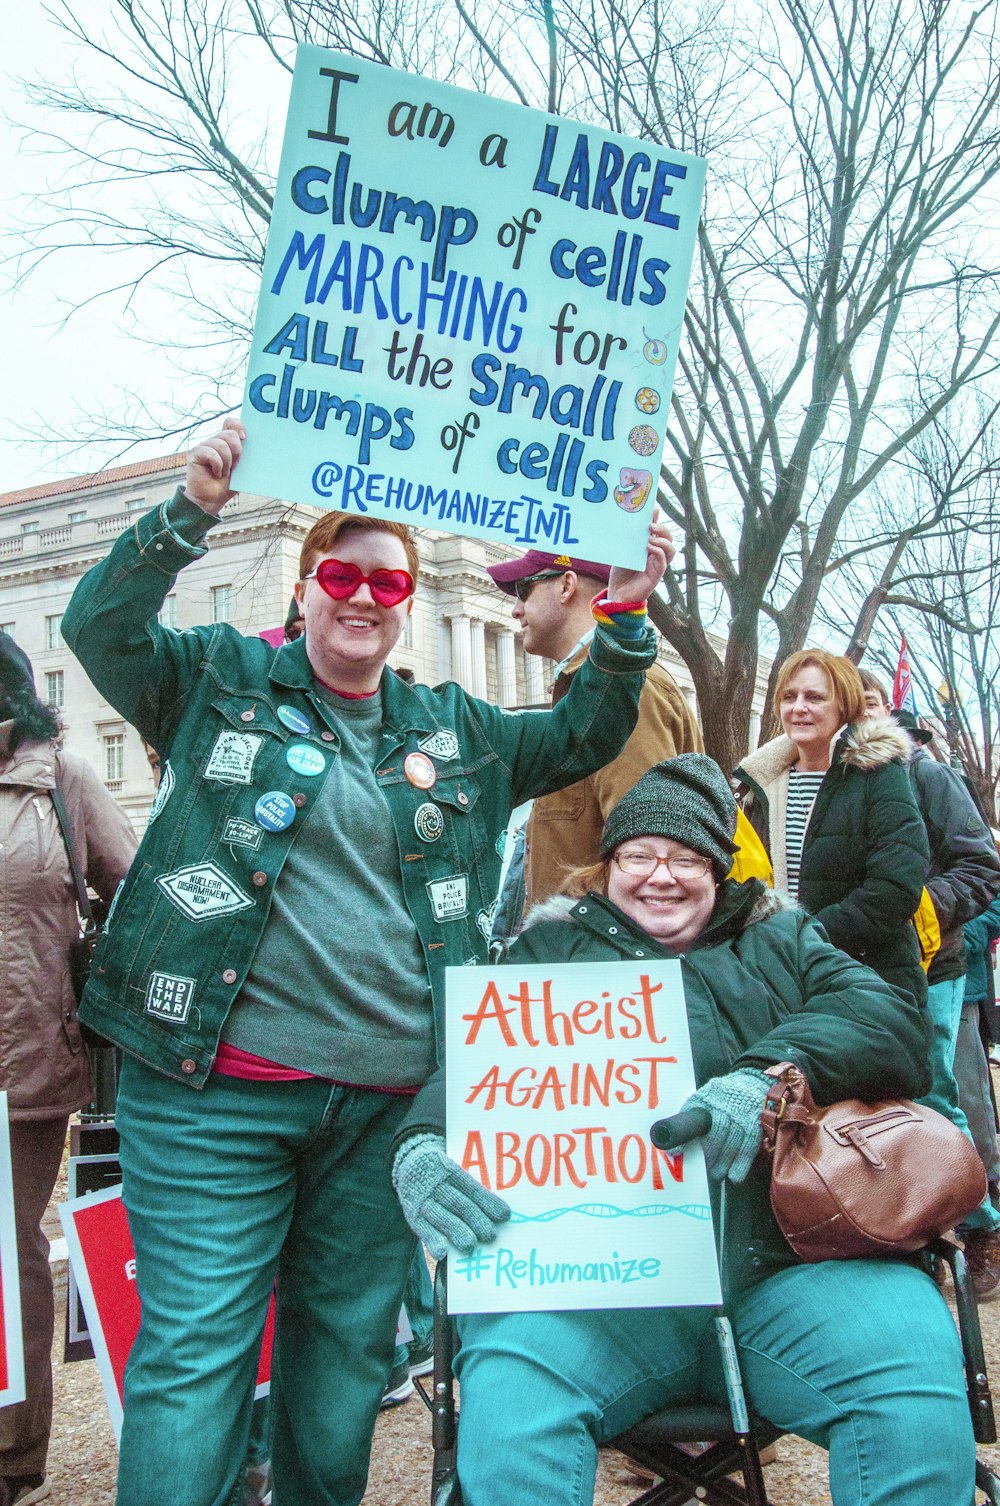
{"x":169,"y":997}
{"x":441,"y":744}
{"x":203,"y":892}
{"x":232,"y":757}
{"x":449,"y":897}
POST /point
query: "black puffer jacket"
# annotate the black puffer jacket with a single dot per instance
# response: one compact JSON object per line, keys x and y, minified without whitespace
{"x":864,"y":860}
{"x":964,"y":872}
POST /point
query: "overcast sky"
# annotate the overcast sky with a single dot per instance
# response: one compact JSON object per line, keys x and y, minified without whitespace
{"x":57,"y":367}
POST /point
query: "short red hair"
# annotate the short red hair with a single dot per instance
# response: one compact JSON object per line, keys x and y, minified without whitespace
{"x":845,"y":682}
{"x":322,"y":536}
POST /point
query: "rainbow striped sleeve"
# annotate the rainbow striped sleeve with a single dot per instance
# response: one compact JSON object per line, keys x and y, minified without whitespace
{"x":625,"y":619}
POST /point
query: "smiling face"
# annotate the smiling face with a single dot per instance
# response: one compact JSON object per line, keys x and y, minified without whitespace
{"x":673,"y":907}
{"x":810,"y":715}
{"x":348,"y":641}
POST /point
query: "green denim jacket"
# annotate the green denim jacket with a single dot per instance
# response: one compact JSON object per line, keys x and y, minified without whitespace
{"x":185,"y":925}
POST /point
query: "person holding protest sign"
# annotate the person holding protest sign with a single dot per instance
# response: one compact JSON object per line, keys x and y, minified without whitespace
{"x":44,"y":1068}
{"x":323,"y":845}
{"x":860,"y":1356}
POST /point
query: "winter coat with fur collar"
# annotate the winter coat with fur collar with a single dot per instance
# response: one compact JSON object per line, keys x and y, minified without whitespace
{"x":864,"y":859}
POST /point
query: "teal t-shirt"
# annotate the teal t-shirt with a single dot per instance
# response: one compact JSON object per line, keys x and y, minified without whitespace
{"x":339,"y":986}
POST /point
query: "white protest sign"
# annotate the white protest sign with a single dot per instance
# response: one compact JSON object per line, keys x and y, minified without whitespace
{"x":470,"y":313}
{"x":11,"y":1345}
{"x":554,"y":1076}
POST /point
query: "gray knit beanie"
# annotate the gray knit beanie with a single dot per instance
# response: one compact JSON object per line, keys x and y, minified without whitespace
{"x":687,"y":799}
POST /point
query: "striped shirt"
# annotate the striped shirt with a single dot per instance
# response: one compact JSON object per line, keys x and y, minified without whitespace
{"x":802,"y":792}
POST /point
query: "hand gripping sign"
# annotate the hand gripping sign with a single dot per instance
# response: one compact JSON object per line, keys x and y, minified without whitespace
{"x":470,"y":313}
{"x":555,"y":1075}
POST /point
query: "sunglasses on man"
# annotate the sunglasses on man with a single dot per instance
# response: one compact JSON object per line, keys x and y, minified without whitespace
{"x":340,"y":580}
{"x":523,"y":588}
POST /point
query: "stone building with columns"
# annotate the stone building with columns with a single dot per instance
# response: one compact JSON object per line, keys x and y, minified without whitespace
{"x":460,"y":627}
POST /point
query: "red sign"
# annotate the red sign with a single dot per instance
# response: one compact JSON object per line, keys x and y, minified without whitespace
{"x":103,"y":1260}
{"x":11,"y":1351}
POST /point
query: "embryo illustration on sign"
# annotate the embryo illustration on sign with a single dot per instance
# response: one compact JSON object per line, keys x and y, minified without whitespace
{"x":470,"y":313}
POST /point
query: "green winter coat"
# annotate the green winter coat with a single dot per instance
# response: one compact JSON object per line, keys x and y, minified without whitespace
{"x":761,"y":985}
{"x":185,"y":925}
{"x":865,"y":855}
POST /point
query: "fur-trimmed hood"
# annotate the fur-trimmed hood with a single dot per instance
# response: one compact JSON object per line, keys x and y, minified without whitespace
{"x":865,"y":745}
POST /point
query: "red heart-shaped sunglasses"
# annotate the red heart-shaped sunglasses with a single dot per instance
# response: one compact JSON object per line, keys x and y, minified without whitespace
{"x":340,"y":579}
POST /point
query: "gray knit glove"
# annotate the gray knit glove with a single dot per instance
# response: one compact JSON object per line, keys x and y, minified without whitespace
{"x":440,"y":1201}
{"x":734,"y":1102}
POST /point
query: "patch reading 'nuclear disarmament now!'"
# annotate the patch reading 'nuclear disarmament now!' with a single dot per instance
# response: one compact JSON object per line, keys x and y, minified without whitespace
{"x":203,"y":892}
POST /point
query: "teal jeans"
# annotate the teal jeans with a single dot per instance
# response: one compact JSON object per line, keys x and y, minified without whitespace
{"x":228,"y":1188}
{"x":860,"y":1356}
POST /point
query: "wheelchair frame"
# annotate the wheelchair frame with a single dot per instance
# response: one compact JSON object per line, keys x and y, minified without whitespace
{"x":734,"y":1437}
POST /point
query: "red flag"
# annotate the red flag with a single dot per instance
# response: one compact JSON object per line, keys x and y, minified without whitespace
{"x":903,"y":698}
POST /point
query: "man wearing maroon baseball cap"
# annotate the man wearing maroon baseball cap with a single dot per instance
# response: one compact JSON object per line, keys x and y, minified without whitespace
{"x":552,"y":605}
{"x":535,"y":565}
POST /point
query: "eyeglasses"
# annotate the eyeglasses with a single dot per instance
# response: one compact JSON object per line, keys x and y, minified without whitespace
{"x":685,"y":865}
{"x":523,"y":587}
{"x":340,"y":579}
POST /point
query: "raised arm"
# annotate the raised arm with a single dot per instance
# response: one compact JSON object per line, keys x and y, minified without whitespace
{"x":112,"y":621}
{"x":593,"y":721}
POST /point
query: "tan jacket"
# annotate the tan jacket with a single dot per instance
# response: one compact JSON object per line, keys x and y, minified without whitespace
{"x":43,"y":1067}
{"x":564,"y":830}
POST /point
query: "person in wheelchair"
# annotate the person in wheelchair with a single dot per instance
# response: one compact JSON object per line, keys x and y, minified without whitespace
{"x":860,"y":1356}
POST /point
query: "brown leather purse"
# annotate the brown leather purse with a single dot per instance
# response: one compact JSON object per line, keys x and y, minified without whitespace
{"x":861,"y":1179}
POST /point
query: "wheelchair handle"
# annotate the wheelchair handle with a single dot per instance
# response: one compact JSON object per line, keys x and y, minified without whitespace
{"x":678,"y":1129}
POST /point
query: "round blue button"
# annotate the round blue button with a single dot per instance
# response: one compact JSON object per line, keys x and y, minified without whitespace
{"x":294,"y":720}
{"x":274,"y":811}
{"x":304,"y":759}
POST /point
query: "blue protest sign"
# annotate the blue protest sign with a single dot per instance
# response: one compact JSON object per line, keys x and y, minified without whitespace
{"x":470,"y":313}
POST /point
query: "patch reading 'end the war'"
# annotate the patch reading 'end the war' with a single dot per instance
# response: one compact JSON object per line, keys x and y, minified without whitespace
{"x":203,"y":892}
{"x":169,"y":997}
